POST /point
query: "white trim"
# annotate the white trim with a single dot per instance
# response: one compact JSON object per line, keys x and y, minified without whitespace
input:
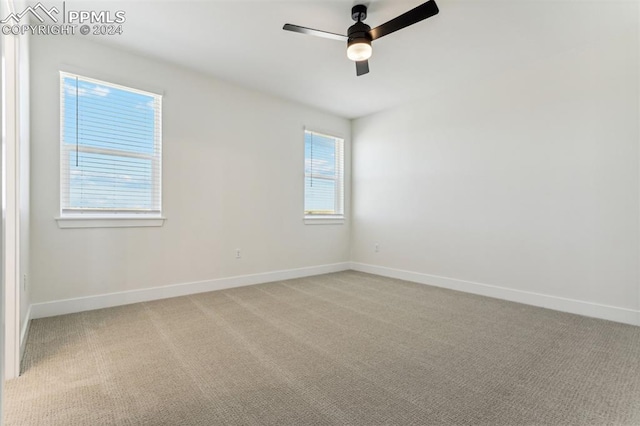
{"x":11,"y":191}
{"x":80,"y":304}
{"x":108,"y":222}
{"x":319,"y":220}
{"x":64,"y":74}
{"x":321,"y":132}
{"x":140,"y":84}
{"x":7,"y":6}
{"x":638,"y":297}
{"x":580,"y":307}
{"x":24,"y":335}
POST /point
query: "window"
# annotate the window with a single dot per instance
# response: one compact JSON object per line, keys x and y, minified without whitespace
{"x":110,"y":150}
{"x":323,"y":176}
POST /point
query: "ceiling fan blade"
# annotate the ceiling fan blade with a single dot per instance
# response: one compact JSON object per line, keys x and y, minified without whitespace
{"x":362,"y":67}
{"x":424,"y":11}
{"x":317,"y":33}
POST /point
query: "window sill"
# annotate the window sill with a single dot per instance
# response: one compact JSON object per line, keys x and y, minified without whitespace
{"x":108,"y":222}
{"x":326,"y":220}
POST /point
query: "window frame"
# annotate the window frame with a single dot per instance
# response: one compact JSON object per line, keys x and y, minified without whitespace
{"x":339,"y":212}
{"x":94,"y":217}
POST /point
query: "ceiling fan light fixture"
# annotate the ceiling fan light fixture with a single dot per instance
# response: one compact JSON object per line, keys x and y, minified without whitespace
{"x":360,"y":35}
{"x":359,"y":49}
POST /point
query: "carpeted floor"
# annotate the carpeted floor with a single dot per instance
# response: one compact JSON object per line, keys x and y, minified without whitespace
{"x":339,"y":349}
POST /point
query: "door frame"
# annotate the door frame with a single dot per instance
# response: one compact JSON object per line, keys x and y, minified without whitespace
{"x":10,"y":205}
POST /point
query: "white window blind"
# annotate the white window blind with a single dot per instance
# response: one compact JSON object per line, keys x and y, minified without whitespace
{"x":110,"y":149}
{"x":323,"y":175}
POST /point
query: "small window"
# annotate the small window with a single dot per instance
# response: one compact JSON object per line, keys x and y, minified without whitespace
{"x":323,"y":176}
{"x":110,"y":149}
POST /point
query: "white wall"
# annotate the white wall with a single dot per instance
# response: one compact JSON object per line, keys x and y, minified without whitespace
{"x":232,"y":175}
{"x":524,"y":185}
{"x":527,"y":181}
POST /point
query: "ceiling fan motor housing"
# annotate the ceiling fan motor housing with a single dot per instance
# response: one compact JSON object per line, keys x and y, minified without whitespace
{"x":359,"y":33}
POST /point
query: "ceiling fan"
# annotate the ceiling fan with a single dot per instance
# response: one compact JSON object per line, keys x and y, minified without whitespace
{"x":360,"y":35}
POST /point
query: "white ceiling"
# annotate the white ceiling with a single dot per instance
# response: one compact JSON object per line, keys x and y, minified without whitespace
{"x":243,"y":42}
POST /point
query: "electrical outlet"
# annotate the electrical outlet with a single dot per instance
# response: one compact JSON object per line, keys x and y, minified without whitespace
{"x":238,"y":255}
{"x":376,"y":247}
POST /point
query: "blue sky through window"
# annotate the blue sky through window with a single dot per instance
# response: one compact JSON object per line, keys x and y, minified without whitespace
{"x":113,"y":131}
{"x":321,"y":174}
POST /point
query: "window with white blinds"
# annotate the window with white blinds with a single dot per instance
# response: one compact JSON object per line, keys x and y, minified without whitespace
{"x":110,"y":149}
{"x":323,"y":176}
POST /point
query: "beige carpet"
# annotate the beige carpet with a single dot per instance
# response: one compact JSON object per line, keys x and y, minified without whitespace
{"x":338,"y":349}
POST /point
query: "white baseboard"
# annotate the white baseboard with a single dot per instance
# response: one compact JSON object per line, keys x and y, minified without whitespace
{"x":24,"y":333}
{"x":589,"y":309}
{"x":80,"y":304}
{"x":68,"y":306}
